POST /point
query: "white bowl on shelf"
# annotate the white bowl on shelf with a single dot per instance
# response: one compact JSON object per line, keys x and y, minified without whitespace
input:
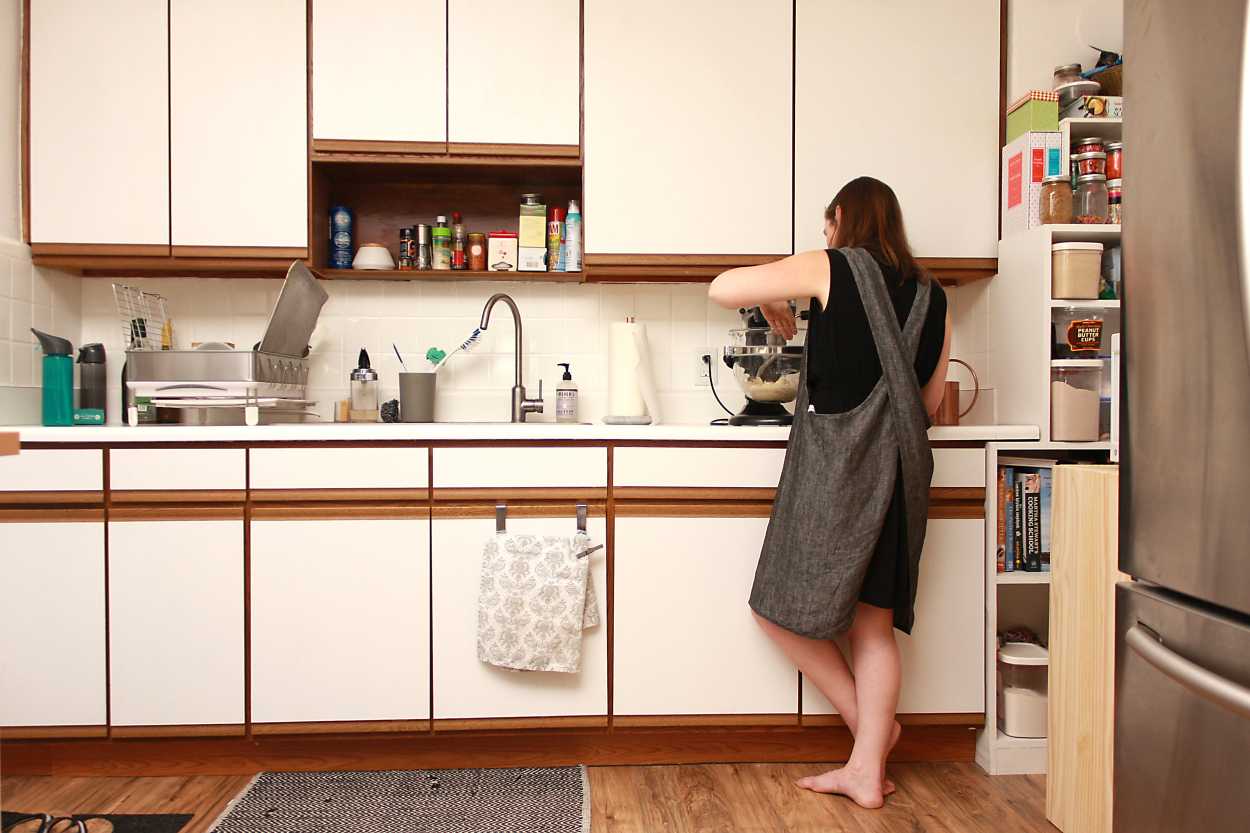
{"x":373,"y":256}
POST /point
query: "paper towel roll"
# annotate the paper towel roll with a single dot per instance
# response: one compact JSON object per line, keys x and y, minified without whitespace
{"x":632,"y":399}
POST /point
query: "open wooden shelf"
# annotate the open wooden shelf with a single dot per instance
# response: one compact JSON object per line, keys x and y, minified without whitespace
{"x":1023,"y":577}
{"x":445,"y":275}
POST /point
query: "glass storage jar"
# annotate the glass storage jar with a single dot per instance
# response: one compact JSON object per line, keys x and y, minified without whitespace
{"x":1115,"y":160}
{"x":1090,"y":144}
{"x":1090,"y":200}
{"x":1115,"y":190}
{"x":1056,"y":200}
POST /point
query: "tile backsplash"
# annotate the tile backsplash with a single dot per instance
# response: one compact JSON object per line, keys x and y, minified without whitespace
{"x":561,"y":322}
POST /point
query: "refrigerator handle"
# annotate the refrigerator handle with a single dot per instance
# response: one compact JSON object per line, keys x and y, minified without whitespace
{"x":1243,"y":181}
{"x":1201,"y":681}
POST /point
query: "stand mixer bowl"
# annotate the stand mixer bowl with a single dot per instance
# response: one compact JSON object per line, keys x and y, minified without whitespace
{"x":767,"y":371}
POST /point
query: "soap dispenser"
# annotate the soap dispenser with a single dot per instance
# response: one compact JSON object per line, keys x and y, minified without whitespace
{"x":58,"y":379}
{"x":566,"y":396}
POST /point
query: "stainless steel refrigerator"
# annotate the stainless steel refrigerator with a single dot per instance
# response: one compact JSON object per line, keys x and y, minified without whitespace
{"x":1182,"y":734}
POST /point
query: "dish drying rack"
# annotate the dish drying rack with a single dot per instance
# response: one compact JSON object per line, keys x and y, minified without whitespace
{"x":213,"y":376}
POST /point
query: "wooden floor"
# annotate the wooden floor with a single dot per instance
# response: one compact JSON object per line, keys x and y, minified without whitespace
{"x":729,"y":798}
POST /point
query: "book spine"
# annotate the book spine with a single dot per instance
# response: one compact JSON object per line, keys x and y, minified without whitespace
{"x":1033,"y":523}
{"x":1001,"y":500}
{"x":1018,"y":510}
{"x":1048,"y":479}
{"x":1009,"y":541}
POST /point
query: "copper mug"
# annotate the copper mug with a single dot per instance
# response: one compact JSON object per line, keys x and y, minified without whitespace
{"x":948,"y":412}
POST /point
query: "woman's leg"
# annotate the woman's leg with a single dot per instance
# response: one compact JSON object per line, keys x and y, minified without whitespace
{"x":822,"y":662}
{"x":877,"y":678}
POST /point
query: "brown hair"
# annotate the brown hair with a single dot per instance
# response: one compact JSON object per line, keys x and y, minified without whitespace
{"x":873,"y":220}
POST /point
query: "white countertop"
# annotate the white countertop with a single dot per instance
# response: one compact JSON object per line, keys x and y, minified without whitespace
{"x":462,"y":431}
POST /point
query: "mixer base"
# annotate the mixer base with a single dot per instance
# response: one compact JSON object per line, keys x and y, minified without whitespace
{"x":762,"y":413}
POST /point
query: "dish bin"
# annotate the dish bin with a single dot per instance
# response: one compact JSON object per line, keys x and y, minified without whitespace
{"x":1022,"y":689}
{"x":1074,"y":403}
{"x":1075,"y":270}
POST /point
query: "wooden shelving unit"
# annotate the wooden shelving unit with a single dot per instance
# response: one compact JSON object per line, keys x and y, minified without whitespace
{"x":444,"y":275}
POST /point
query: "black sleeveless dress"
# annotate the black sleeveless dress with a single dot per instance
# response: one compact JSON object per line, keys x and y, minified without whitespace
{"x":843,"y":368}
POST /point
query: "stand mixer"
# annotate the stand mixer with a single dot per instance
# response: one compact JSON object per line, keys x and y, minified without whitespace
{"x":766,"y":368}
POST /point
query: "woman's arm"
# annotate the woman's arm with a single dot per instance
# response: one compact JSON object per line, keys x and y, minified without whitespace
{"x":933,"y":390}
{"x":804,"y":275}
{"x":772,"y":285}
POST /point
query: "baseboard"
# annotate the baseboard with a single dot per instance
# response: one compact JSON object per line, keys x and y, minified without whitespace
{"x":596,"y":747}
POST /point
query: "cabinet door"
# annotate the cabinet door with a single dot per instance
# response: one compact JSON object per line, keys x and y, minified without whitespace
{"x":922,"y":119}
{"x":464,"y":687}
{"x":688,"y":127}
{"x":944,"y":657}
{"x":340,"y":620}
{"x":239,"y":123}
{"x":685,"y":639}
{"x":99,"y":122}
{"x":380,"y":70}
{"x":52,"y":624}
{"x":176,"y":622}
{"x":532,"y":49}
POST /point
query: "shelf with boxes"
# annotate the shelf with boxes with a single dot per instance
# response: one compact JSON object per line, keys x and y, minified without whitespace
{"x":377,"y":217}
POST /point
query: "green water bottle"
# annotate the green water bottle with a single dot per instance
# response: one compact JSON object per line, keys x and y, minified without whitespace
{"x":58,"y":379}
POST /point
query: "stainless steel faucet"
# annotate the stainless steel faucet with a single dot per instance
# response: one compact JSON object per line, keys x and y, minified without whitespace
{"x":520,"y":405}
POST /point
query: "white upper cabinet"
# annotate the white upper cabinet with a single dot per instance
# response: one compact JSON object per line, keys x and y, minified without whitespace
{"x":880,"y":92}
{"x":380,"y":70}
{"x":688,"y":127}
{"x":513,"y":72}
{"x":239,"y":123}
{"x":99,"y":122}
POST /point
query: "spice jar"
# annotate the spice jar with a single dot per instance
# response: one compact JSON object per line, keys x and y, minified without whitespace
{"x":1090,"y":144}
{"x":477,"y":251}
{"x":1115,"y":161}
{"x":1090,"y":199}
{"x":1055,"y":205}
{"x":1093,"y":162}
{"x":1114,"y":191}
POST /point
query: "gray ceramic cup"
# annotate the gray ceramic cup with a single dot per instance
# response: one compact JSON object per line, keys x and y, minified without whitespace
{"x":416,"y":397}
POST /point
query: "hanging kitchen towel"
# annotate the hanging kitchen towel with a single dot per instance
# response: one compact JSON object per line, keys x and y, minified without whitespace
{"x":534,"y":600}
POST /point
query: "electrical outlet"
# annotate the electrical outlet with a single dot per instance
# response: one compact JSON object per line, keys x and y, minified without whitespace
{"x":704,"y":366}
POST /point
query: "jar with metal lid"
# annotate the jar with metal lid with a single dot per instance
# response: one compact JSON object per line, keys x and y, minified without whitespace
{"x":1066,"y":74}
{"x":1092,"y":162}
{"x":1090,"y":199}
{"x":1115,"y":160}
{"x":477,"y":251}
{"x":423,"y":248}
{"x":1115,"y":190}
{"x":1090,"y":144}
{"x":1055,"y":204}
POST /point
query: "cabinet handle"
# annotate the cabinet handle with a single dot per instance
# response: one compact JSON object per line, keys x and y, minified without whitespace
{"x":1201,"y":681}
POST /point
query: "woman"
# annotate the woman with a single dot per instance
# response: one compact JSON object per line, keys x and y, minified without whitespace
{"x":843,"y":546}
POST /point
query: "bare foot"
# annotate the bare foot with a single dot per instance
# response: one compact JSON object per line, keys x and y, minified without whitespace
{"x":864,"y":788}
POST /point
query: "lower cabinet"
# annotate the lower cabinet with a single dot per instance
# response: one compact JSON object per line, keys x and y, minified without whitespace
{"x":52,"y":637}
{"x":340,"y":620}
{"x":176,"y":622}
{"x":464,"y":687}
{"x":685,"y":640}
{"x":944,"y":657}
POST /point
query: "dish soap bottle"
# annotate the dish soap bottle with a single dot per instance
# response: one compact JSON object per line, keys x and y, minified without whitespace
{"x":566,"y":396}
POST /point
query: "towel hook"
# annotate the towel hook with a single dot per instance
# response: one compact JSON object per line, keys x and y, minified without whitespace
{"x":501,"y":517}
{"x":582,"y":511}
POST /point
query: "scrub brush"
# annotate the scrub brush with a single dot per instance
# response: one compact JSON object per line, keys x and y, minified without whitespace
{"x":467,"y":344}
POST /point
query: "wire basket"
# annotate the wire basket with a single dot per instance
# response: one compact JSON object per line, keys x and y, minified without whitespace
{"x":143,"y":318}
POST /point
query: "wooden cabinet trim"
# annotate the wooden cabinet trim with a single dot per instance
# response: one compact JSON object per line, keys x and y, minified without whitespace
{"x":44,"y":514}
{"x":176,"y":512}
{"x":197,"y":731}
{"x":694,"y":509}
{"x":692,"y":493}
{"x":703,"y":720}
{"x":71,"y":498}
{"x":339,"y":511}
{"x":364,"y":146}
{"x":625,"y":268}
{"x":464,"y":495}
{"x":509,"y":724}
{"x":493,"y":149}
{"x":335,"y":727}
{"x":550,"y":509}
{"x":52,"y":732}
{"x":155,"y":496}
{"x":101,"y":249}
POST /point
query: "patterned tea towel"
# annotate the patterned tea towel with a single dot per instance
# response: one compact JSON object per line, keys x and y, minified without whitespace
{"x":534,"y":601}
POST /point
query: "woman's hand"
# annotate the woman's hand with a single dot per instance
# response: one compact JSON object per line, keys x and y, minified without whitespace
{"x":781,"y":318}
